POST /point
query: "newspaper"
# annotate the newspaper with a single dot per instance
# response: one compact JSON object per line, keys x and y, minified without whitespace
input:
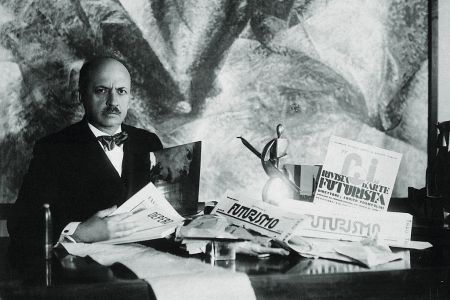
{"x":154,"y":214}
{"x":148,"y":197}
{"x":258,"y":216}
{"x":357,"y":175}
{"x":350,"y":224}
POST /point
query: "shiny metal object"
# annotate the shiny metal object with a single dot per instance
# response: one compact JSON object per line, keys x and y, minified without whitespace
{"x":48,"y":234}
{"x":270,"y":157}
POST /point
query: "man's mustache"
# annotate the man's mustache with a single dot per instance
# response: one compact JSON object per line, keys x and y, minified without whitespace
{"x":111,"y":109}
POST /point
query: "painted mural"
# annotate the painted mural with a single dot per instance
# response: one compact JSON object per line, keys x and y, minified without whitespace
{"x":213,"y":70}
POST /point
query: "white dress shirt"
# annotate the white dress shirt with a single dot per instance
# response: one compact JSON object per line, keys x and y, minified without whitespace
{"x":115,"y":156}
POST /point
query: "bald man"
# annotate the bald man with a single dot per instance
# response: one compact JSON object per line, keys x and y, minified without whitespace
{"x":87,"y":169}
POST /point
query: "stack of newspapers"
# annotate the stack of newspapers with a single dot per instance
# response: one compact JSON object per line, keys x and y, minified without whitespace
{"x":348,"y":218}
{"x":204,"y":229}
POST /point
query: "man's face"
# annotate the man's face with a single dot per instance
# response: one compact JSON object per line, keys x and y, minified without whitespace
{"x":107,"y":95}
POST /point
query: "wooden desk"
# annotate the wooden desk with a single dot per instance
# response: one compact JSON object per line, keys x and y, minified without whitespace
{"x":426,"y":277}
{"x":74,"y":278}
{"x":321,"y":279}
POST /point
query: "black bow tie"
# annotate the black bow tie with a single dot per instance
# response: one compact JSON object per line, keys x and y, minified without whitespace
{"x":110,"y":141}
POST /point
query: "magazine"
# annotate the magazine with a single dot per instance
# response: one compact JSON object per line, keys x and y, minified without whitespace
{"x":357,"y":175}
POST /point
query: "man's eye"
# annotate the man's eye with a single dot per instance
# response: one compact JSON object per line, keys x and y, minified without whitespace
{"x":122,"y":91}
{"x":100,"y":90}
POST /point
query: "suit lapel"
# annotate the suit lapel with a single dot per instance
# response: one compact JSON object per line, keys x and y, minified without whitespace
{"x":135,"y":165}
{"x":103,"y":162}
{"x":128,"y":177}
{"x":98,"y":162}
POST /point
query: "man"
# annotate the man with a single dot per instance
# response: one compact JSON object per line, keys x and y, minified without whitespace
{"x":82,"y":175}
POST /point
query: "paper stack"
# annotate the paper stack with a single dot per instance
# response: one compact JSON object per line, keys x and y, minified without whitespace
{"x":348,"y":220}
{"x":204,"y":229}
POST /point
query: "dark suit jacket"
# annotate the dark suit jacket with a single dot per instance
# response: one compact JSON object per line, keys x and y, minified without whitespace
{"x":70,"y":171}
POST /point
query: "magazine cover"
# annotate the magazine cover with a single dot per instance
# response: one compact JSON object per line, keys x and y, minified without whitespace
{"x":357,"y":175}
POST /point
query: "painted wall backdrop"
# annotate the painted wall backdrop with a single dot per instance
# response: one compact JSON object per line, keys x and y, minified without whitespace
{"x":213,"y":70}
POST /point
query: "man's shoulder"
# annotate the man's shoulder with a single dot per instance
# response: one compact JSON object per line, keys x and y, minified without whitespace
{"x":69,"y":133}
{"x":60,"y":141}
{"x":138,"y":132}
{"x":143,"y":137}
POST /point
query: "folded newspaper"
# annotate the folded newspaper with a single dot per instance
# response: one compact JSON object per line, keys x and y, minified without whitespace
{"x":154,"y":214}
{"x":258,"y":216}
{"x":351,"y":224}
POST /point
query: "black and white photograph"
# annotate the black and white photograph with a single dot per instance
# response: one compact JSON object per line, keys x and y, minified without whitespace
{"x":224,"y":149}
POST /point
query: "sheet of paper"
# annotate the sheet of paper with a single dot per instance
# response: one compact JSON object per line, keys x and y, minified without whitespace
{"x":370,"y":255}
{"x":192,"y":278}
{"x":417,"y":245}
{"x":106,"y":254}
{"x":357,"y":175}
{"x":325,"y":266}
{"x":259,"y":216}
{"x":314,"y":247}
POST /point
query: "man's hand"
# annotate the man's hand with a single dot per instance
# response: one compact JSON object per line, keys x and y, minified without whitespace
{"x":102,"y":227}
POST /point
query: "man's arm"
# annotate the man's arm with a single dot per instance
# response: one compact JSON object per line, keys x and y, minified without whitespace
{"x":101,"y":226}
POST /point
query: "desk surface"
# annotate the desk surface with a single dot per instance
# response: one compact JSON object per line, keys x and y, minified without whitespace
{"x":425,"y":275}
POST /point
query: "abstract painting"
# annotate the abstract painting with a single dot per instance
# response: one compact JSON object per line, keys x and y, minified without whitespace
{"x":213,"y":70}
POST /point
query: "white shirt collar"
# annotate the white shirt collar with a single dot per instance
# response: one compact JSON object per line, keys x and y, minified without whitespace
{"x":115,"y":156}
{"x":97,"y":132}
